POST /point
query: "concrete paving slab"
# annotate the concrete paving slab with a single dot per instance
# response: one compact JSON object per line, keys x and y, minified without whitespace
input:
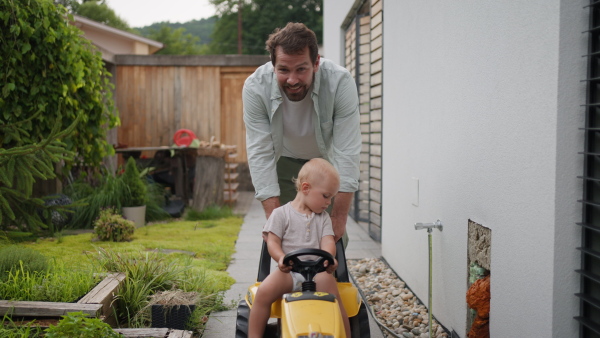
{"x":237,"y":292}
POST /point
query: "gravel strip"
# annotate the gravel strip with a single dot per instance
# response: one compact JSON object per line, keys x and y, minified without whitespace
{"x":392,"y":303}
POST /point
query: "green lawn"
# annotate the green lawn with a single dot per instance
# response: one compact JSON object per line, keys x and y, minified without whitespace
{"x":206,"y":246}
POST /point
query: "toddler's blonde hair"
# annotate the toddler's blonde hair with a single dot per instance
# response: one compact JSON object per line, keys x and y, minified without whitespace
{"x":314,"y":170}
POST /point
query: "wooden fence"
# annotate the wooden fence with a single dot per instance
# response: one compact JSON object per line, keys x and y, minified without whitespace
{"x":157,"y":95}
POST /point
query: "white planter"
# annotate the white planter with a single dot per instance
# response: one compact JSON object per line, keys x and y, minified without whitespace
{"x":135,"y":214}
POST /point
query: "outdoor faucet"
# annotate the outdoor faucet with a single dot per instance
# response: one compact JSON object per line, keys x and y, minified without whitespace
{"x":429,"y":226}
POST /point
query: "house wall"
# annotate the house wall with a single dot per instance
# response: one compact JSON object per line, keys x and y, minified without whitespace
{"x":481,"y":104}
{"x":334,"y":12}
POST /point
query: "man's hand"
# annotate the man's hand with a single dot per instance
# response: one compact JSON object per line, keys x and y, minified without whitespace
{"x":269,"y":205}
{"x":339,"y":213}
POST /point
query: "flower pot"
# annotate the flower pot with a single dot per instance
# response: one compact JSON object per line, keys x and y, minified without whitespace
{"x":171,"y":316}
{"x":135,"y":214}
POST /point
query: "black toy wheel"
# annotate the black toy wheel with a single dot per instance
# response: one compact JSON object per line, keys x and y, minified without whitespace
{"x":359,"y":324}
{"x":241,"y":322}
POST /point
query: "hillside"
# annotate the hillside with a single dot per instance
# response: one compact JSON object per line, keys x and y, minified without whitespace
{"x":202,"y":28}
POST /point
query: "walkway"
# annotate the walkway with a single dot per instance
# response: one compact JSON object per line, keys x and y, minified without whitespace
{"x":244,"y":265}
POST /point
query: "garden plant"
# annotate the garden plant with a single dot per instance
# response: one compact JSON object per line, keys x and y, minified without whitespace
{"x":55,"y":105}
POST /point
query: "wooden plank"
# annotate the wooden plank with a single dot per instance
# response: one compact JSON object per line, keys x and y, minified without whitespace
{"x":229,"y":197}
{"x":248,"y":70}
{"x":231,"y":186}
{"x":104,"y":294}
{"x":140,"y":333}
{"x":105,"y":289}
{"x":233,"y":130}
{"x":46,"y":309}
{"x":230,"y":177}
{"x":180,"y":334}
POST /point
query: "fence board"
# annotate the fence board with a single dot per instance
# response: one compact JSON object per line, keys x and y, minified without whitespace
{"x":156,"y":101}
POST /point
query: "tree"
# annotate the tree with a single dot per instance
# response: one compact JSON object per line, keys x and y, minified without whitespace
{"x":96,"y":10}
{"x":55,"y":102}
{"x":176,"y":41}
{"x":100,"y":12}
{"x":259,"y":19}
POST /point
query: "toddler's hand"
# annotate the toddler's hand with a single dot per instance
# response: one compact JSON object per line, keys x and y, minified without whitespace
{"x":331,"y":268}
{"x":283,"y":267}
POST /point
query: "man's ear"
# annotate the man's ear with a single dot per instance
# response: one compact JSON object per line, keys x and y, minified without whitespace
{"x":317,"y":63}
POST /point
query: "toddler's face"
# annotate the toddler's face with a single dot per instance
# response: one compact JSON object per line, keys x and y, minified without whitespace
{"x":320,"y":194}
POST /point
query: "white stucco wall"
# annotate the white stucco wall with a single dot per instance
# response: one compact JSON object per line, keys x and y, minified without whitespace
{"x":481,"y":103}
{"x":479,"y":106}
{"x":334,"y":13}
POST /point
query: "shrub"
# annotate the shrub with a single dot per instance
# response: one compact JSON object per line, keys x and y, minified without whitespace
{"x":11,"y":257}
{"x":76,"y":324}
{"x":135,"y":192}
{"x":111,"y":226}
{"x":56,"y":103}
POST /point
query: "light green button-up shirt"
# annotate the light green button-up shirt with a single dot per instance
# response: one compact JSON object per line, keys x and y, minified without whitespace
{"x":337,"y":125}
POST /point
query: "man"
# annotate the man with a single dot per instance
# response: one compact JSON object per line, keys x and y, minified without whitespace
{"x":298,"y":107}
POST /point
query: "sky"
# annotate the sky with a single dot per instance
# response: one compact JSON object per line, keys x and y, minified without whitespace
{"x":139,"y":13}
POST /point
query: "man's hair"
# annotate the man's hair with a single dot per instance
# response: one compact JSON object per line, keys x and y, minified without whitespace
{"x":292,"y":39}
{"x":315,"y":170}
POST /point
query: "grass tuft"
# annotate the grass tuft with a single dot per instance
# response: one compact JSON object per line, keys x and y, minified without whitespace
{"x":15,"y":256}
{"x":210,"y":213}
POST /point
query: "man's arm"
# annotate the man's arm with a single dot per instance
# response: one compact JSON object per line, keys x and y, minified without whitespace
{"x":269,"y":205}
{"x":339,"y":213}
{"x":259,"y":142}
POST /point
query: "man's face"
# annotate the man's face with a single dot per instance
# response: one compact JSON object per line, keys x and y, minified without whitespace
{"x":295,"y":73}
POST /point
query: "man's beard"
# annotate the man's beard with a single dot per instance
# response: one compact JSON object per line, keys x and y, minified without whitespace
{"x":300,"y":95}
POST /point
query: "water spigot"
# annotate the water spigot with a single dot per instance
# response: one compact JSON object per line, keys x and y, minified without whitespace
{"x":429,"y":226}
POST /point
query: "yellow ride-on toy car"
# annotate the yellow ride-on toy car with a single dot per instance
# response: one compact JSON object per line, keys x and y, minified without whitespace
{"x":308,"y":314}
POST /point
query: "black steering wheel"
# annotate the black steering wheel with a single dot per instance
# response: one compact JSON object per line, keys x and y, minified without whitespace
{"x":308,"y":268}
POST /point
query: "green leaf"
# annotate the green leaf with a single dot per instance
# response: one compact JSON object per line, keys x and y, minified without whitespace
{"x":26,"y":48}
{"x":7,"y":89}
{"x":4,"y":206}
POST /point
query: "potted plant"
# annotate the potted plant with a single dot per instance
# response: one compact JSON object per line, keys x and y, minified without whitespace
{"x":173,"y":308}
{"x":133,"y":199}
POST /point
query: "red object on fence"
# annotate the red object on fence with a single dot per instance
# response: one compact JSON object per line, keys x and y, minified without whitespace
{"x":184,"y":137}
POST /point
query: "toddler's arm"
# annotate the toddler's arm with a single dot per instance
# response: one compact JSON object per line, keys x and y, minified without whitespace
{"x":328,"y":244}
{"x":276,"y":252}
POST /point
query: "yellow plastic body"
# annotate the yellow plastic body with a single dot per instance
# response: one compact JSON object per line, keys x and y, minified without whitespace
{"x":305,"y":316}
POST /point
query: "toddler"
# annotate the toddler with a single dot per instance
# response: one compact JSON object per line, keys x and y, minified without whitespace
{"x":300,"y":224}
